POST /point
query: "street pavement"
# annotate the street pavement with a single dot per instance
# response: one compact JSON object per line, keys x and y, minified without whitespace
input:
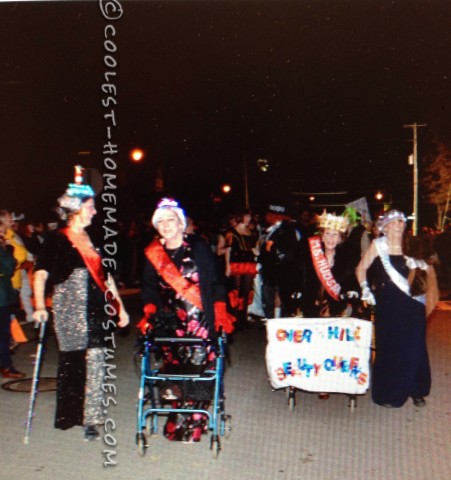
{"x":319,"y":440}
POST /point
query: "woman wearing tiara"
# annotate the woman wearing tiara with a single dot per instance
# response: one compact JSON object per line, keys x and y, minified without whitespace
{"x":69,"y":267}
{"x":401,"y":367}
{"x":184,"y":296}
{"x":329,"y":280}
{"x":329,"y":283}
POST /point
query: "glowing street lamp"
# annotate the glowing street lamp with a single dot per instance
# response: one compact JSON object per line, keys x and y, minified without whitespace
{"x":226,"y":188}
{"x":379,"y":196}
{"x":136,"y":155}
{"x":263,"y":164}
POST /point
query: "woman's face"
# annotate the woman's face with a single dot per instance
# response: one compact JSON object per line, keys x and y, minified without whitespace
{"x":331,"y":238}
{"x":86,"y":213}
{"x":169,"y":226}
{"x":395,"y":227}
{"x":8,"y":221}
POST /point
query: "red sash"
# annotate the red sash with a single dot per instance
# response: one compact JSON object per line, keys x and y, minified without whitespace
{"x":165,"y":267}
{"x":322,"y":268}
{"x":243,"y":268}
{"x":93,"y":262}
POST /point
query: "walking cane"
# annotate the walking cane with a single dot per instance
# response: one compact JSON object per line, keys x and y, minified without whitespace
{"x":34,"y":383}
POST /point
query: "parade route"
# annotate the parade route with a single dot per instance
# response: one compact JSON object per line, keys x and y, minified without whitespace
{"x":319,"y":440}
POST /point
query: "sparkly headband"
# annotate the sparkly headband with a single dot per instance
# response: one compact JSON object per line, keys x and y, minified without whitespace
{"x":276,"y":208}
{"x":167,"y":202}
{"x":392,"y":215}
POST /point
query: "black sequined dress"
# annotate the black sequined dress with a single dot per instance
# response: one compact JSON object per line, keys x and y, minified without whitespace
{"x":179,"y":318}
{"x":78,"y":313}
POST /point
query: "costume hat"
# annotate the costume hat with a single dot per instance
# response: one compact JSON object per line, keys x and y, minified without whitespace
{"x":76,"y":192}
{"x":168,"y":204}
{"x":389,"y":217}
{"x":333,"y":222}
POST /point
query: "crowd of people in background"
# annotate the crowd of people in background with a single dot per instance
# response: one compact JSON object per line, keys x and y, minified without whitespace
{"x":136,"y":233}
{"x":229,"y":238}
{"x":272,"y":264}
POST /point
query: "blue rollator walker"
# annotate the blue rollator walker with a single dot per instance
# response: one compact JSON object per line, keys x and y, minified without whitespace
{"x":151,"y":404}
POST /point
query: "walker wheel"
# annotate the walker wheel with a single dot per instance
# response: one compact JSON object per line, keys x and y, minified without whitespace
{"x":215,"y":446}
{"x":142,"y":444}
{"x":291,"y":399}
{"x":152,"y":429}
{"x":226,"y":426}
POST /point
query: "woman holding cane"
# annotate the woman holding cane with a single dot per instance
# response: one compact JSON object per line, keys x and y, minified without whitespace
{"x":70,"y":266}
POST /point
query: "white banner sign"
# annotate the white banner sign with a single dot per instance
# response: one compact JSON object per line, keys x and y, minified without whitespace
{"x":319,"y":354}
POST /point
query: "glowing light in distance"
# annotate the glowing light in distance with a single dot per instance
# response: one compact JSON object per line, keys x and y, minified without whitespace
{"x":136,"y":155}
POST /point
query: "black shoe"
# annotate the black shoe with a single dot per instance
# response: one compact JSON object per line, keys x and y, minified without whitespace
{"x":419,"y":401}
{"x":91,"y":433}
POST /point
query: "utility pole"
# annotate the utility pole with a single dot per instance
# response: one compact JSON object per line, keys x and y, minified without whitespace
{"x":414,"y":127}
{"x":246,"y":184}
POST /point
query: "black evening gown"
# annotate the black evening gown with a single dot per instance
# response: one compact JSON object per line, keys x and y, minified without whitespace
{"x":401,"y":367}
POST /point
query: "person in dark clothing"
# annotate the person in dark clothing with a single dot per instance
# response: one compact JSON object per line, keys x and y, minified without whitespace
{"x":69,"y":267}
{"x":241,"y":266}
{"x":401,"y":368}
{"x":279,"y":261}
{"x":442,"y":244}
{"x":328,"y":274}
{"x":329,"y":281}
{"x":8,"y":297}
{"x":184,"y":296}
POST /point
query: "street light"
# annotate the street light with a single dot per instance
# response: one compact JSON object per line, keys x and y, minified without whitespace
{"x":263,"y":164}
{"x":136,"y":155}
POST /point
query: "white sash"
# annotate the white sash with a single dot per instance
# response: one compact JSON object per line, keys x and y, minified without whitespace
{"x":399,"y":280}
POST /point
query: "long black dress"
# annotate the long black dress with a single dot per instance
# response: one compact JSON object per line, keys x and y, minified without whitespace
{"x":401,"y":368}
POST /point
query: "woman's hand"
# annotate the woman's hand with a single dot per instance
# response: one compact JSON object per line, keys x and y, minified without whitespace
{"x":367,"y":296}
{"x":40,"y":316}
{"x":124,"y":318}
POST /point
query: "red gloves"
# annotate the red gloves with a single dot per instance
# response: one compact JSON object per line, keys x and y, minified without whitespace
{"x":144,"y":324}
{"x":223,"y":319}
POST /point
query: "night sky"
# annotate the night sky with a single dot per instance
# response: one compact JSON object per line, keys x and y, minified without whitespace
{"x":321,"y":89}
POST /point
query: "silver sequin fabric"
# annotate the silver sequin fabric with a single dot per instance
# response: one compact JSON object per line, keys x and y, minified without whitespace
{"x":93,"y":411}
{"x":70,"y":303}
